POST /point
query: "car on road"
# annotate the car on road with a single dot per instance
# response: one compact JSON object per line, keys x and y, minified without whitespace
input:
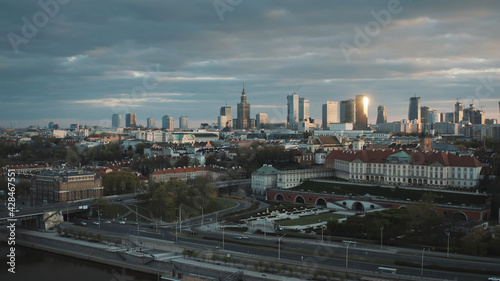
{"x":83,"y":223}
{"x":96,"y":222}
{"x":107,"y":222}
{"x":122,"y":222}
{"x":237,"y":237}
{"x":244,"y":237}
{"x":493,"y":279}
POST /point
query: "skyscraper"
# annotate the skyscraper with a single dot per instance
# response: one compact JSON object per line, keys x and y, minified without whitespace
{"x":433,"y":117}
{"x":243,"y":114}
{"x":167,"y":122}
{"x":261,"y":120}
{"x":226,"y":112}
{"x":151,"y":122}
{"x":131,"y":120}
{"x":381,"y":115}
{"x":414,"y":109}
{"x":361,"y":121}
{"x":116,"y":121}
{"x":459,"y":112}
{"x":303,"y":109}
{"x":347,"y":111}
{"x":424,"y":111}
{"x":183,"y":123}
{"x":329,"y":114}
{"x":293,"y":109}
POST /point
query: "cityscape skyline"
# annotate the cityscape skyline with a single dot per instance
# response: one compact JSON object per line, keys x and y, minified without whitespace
{"x":434,"y":51}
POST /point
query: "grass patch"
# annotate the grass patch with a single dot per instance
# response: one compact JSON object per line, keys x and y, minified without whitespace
{"x":392,"y":193}
{"x":310,"y":219}
{"x":237,"y":228}
{"x":113,"y":211}
{"x":224,"y":204}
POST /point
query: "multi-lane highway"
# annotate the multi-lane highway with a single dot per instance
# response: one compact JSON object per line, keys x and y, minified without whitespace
{"x":309,"y":253}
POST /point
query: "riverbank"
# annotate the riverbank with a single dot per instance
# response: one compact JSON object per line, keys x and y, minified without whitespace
{"x":136,"y":254}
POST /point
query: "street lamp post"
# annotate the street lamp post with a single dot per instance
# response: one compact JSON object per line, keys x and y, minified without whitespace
{"x":322,"y":228}
{"x":201,"y":217}
{"x":265,"y":230}
{"x":99,"y":217}
{"x":422,"y":267}
{"x":222,"y":237}
{"x":180,"y":218}
{"x":347,"y":253}
{"x":448,"y":249}
{"x":136,"y":220}
{"x":279,"y":246}
{"x":381,"y":235}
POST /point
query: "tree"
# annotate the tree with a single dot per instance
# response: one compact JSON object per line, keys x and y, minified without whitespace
{"x":102,"y":202}
{"x":182,"y":162}
{"x":210,"y":160}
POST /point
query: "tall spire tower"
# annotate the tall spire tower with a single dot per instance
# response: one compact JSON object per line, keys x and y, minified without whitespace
{"x":243,"y":112}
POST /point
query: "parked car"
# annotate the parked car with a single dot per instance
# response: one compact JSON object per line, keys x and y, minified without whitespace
{"x":122,"y":222}
{"x":83,"y":223}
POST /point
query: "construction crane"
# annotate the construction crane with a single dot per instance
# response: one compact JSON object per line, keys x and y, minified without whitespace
{"x":296,"y":90}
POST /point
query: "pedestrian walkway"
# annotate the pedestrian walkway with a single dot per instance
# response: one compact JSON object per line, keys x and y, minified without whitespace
{"x":266,"y":276}
{"x":138,"y":214}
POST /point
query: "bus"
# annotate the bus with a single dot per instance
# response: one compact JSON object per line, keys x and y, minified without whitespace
{"x":386,"y":270}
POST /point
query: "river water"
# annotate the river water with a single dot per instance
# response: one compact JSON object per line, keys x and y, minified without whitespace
{"x":36,"y":265}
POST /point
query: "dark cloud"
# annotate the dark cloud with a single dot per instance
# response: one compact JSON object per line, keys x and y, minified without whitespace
{"x":92,"y":58}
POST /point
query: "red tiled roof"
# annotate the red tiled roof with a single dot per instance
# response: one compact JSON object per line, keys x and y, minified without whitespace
{"x":179,"y":170}
{"x":418,"y":157}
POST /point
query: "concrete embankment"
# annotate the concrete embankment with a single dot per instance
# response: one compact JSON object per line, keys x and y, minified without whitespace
{"x":134,"y":257}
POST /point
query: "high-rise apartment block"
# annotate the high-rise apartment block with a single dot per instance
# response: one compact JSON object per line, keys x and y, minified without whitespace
{"x":414,"y":112}
{"x":347,"y":111}
{"x":303,"y":109}
{"x":459,"y":112}
{"x":424,"y":111}
{"x":131,"y":120}
{"x":116,"y":121}
{"x":293,"y":109}
{"x":329,"y":114}
{"x":151,"y":122}
{"x":361,"y":120}
{"x":261,"y":120}
{"x":167,"y":122}
{"x":183,"y":123}
{"x":381,"y":115}
{"x":225,"y":111}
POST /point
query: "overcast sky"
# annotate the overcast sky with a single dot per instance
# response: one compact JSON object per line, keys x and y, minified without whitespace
{"x":82,"y":61}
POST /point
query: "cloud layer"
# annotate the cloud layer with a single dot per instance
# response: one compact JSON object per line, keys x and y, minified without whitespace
{"x":90,"y":59}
